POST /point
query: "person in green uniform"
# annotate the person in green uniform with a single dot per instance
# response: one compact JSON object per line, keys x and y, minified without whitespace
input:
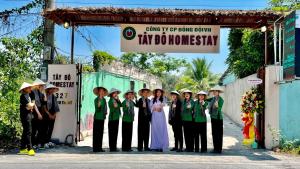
{"x":26,"y":115}
{"x":216,"y":115}
{"x":127,"y":120}
{"x":115,"y":105}
{"x":200,"y":125}
{"x":187,"y":119}
{"x":99,"y":117}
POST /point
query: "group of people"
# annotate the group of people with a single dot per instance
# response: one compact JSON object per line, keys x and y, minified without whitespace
{"x":186,"y":115}
{"x":38,"y":109}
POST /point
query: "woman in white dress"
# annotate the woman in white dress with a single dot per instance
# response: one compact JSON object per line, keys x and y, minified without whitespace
{"x":159,"y":132}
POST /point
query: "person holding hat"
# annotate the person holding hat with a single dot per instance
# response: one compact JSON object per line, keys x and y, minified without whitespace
{"x":99,"y":118}
{"x":39,"y":123}
{"x":159,"y":132}
{"x":51,"y":110}
{"x":187,"y":118}
{"x":127,"y":120}
{"x":114,"y":115}
{"x":216,"y":115}
{"x":144,"y":117}
{"x":26,"y":109}
{"x":200,"y":126}
{"x":175,"y":121}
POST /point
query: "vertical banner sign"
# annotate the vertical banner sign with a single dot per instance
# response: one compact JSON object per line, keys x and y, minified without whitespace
{"x":170,"y":38}
{"x":64,"y":77}
{"x":291,"y":60}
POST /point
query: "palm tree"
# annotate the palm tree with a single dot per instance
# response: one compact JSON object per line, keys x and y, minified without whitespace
{"x":198,"y":76}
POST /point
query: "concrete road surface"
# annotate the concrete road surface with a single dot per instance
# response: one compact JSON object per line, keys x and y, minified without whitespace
{"x":235,"y":156}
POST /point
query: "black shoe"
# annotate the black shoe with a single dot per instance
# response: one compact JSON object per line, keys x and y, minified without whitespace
{"x":203,"y":151}
{"x":147,"y":149}
{"x":197,"y":151}
{"x":174,"y":149}
{"x":216,"y":152}
{"x":179,"y":150}
{"x":101,"y":150}
{"x":187,"y":150}
{"x":114,"y":150}
{"x":140,"y":150}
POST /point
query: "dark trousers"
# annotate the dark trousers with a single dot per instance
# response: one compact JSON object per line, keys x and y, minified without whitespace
{"x":49,"y":130}
{"x":143,"y":133}
{"x":35,"y":123}
{"x":217,"y":134}
{"x":126,"y":135}
{"x":188,"y":135}
{"x":26,"y":120}
{"x":113,"y":129}
{"x":178,"y":135}
{"x":200,"y":130}
{"x":98,"y":129}
{"x":43,"y":130}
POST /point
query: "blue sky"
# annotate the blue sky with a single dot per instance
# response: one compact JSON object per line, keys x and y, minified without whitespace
{"x":108,"y":38}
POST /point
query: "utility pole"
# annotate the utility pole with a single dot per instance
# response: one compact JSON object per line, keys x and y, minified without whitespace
{"x":48,"y":34}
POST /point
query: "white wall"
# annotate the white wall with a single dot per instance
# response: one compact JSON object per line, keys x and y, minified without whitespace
{"x":271,"y":104}
{"x":232,"y":96}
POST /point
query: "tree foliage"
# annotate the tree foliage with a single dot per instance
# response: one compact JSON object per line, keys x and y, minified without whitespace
{"x":284,"y":5}
{"x":19,"y":61}
{"x":154,"y":63}
{"x":246,"y":51}
{"x":101,"y":58}
{"x":197,"y":76}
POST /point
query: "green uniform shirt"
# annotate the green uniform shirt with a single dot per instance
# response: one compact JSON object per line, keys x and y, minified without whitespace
{"x":128,"y":111}
{"x":187,"y":113}
{"x":100,"y":112}
{"x":198,"y":110}
{"x":114,"y":112}
{"x":218,"y":114}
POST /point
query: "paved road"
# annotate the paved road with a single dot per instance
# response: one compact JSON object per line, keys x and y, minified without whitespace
{"x":235,"y":156}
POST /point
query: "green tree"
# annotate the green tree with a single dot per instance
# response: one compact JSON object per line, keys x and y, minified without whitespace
{"x":19,"y":61}
{"x":246,"y":51}
{"x":61,"y":59}
{"x":284,"y":5}
{"x":101,"y":58}
{"x":198,"y":76}
{"x":155,"y":63}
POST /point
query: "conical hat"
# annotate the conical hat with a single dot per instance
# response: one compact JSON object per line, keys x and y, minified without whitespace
{"x":175,"y":92}
{"x":113,"y":90}
{"x":217,"y":88}
{"x":129,"y":91}
{"x":37,"y":82}
{"x":51,"y":86}
{"x":96,"y":89}
{"x":140,"y":91}
{"x":25,"y":85}
{"x":187,"y":91}
{"x":202,"y":93}
{"x":158,"y":89}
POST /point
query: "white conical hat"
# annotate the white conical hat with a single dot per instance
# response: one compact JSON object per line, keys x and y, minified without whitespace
{"x":51,"y":86}
{"x":187,"y":91}
{"x":37,"y":82}
{"x":129,"y":91}
{"x":217,"y":88}
{"x":158,"y":89}
{"x":113,"y":90}
{"x":25,"y":85}
{"x":175,"y":92}
{"x":202,"y":93}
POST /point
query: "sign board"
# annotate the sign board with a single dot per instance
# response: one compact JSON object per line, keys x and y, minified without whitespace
{"x":170,"y":38}
{"x":64,"y":77}
{"x":291,"y":60}
{"x":255,"y":81}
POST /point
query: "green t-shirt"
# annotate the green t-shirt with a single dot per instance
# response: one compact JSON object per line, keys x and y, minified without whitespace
{"x":216,"y":113}
{"x":199,"y":110}
{"x":114,"y":112}
{"x":187,"y":113}
{"x":128,"y":111}
{"x":100,"y":111}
